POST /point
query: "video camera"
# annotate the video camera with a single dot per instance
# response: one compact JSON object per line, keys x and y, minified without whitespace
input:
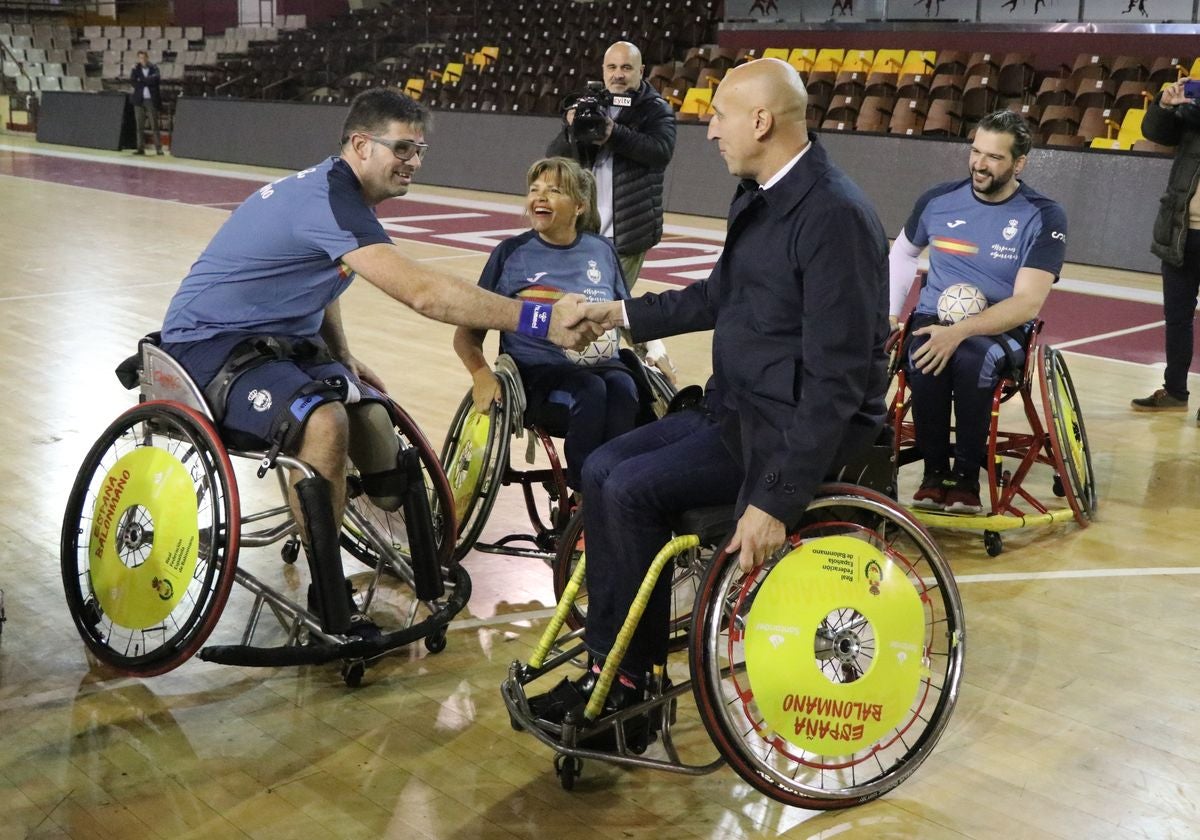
{"x":591,"y":112}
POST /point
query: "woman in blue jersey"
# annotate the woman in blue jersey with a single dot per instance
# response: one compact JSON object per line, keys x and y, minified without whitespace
{"x":561,"y":254}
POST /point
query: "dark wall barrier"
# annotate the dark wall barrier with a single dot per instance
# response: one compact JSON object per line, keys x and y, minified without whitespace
{"x":94,"y":120}
{"x":1110,"y":197}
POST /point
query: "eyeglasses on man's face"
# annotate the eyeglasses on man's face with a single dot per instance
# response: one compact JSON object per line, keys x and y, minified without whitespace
{"x":402,"y":149}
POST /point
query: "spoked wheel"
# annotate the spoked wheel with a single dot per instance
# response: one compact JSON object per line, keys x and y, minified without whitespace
{"x":685,"y":581}
{"x":826,"y":677}
{"x":391,"y":524}
{"x":473,"y":459}
{"x":150,"y":539}
{"x":1068,"y":437}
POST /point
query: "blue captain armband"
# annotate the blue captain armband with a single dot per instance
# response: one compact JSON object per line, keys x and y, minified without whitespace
{"x":535,"y":319}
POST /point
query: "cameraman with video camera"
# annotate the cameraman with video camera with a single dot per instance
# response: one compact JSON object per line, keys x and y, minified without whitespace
{"x":624,"y":132}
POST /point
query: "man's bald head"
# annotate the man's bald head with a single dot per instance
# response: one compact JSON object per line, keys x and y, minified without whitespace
{"x":758,"y":117}
{"x":772,"y":84}
{"x":622,"y":67}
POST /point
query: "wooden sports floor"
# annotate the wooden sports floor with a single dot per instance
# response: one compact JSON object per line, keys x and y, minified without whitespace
{"x":1079,"y":705}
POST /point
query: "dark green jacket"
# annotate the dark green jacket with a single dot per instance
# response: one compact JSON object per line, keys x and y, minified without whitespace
{"x":1179,"y":127}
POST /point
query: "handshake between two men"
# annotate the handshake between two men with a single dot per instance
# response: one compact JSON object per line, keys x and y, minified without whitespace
{"x":575,"y":323}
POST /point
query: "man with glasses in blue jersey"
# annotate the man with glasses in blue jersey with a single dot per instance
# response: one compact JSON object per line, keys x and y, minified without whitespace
{"x":257,"y":323}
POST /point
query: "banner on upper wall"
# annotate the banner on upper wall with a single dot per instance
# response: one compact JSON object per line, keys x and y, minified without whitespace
{"x":950,"y":10}
{"x":986,"y":11}
{"x":1138,"y":11}
{"x":801,"y":11}
{"x":1026,"y":11}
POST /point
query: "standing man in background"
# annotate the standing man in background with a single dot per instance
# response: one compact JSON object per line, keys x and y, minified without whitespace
{"x":1174,"y":120}
{"x":146,"y":100}
{"x":629,"y":163}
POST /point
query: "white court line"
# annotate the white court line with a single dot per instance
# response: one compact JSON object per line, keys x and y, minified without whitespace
{"x":107,"y":291}
{"x":1062,"y":345}
{"x":1011,"y":577}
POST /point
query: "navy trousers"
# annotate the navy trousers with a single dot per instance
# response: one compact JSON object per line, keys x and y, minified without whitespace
{"x":601,"y":403}
{"x":967,"y":385}
{"x":632,"y":487}
{"x":1180,"y":287}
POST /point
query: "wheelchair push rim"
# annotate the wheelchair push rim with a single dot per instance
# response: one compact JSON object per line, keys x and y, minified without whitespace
{"x":826,"y":677}
{"x":149,"y":540}
{"x":473,"y":456}
{"x":1068,"y":436}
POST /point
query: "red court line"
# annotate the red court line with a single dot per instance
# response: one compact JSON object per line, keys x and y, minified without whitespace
{"x":677,"y":260}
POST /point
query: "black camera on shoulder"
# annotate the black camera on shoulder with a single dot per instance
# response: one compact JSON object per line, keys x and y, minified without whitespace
{"x":591,"y":112}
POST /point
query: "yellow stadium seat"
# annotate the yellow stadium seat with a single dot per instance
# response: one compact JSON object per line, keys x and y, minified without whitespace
{"x":452,"y":73}
{"x":858,"y":61}
{"x":1131,"y":127}
{"x":776,"y":52}
{"x":413,"y":87}
{"x":888,"y":61}
{"x":697,"y":101}
{"x":1110,"y":144}
{"x":1194,"y":73}
{"x":802,"y":59}
{"x":919,"y":61}
{"x":828,"y":60}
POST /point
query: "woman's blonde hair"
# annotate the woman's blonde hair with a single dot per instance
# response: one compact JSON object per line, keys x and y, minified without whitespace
{"x":576,"y":182}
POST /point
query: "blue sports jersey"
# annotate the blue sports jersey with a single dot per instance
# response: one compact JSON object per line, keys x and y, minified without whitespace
{"x":982,"y":243}
{"x":275,"y":264}
{"x":530,"y":268}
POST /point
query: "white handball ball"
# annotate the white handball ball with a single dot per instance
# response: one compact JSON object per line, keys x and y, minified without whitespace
{"x":960,"y":301}
{"x":600,"y":350}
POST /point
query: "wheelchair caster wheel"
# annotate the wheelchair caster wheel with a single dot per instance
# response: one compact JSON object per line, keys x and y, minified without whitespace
{"x":352,"y":673}
{"x":290,"y":551}
{"x":435,"y":642}
{"x":1059,"y":489}
{"x":568,"y":769}
{"x":992,"y":543}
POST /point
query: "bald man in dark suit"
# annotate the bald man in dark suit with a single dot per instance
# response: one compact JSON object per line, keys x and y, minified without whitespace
{"x":798,"y":303}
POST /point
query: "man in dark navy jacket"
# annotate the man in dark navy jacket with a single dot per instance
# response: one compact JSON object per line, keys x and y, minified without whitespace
{"x":798,"y":304}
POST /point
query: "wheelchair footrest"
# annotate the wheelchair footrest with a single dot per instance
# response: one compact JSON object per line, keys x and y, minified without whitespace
{"x":319,"y":654}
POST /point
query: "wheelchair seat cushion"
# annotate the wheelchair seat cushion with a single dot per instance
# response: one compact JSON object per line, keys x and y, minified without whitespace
{"x":710,"y":524}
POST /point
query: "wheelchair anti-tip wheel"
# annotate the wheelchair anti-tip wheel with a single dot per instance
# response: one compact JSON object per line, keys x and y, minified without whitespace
{"x":473,"y":459}
{"x":1068,"y":437}
{"x":685,"y":580}
{"x":390,"y":524}
{"x":149,"y":540}
{"x":826,"y":676}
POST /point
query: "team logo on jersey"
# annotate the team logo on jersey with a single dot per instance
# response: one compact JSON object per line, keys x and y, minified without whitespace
{"x":956,"y":223}
{"x":593,"y":272}
{"x":535,"y":277}
{"x":1011,"y":230}
{"x":259,"y":400}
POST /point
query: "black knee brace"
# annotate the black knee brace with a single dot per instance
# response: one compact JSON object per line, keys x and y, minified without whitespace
{"x":324,"y":554}
{"x":418,"y":520}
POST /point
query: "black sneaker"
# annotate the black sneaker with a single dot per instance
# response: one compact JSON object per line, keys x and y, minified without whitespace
{"x":573,"y":695}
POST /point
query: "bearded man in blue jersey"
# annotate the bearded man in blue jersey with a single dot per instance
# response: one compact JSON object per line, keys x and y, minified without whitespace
{"x":257,"y":323}
{"x":995,"y":233}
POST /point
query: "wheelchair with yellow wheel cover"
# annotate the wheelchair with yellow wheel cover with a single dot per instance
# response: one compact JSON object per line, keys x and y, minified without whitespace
{"x":476,"y":458}
{"x":154,"y":527}
{"x":824,"y":678}
{"x":1054,"y":450}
